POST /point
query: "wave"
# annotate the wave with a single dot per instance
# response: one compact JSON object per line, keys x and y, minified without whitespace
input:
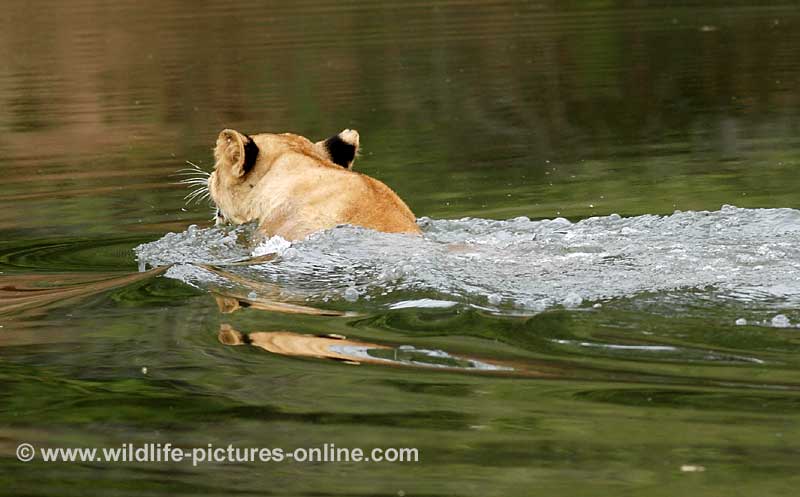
{"x":746,"y":255}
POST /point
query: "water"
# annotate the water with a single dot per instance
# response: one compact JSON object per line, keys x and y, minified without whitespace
{"x":586,"y":312}
{"x":519,"y":265}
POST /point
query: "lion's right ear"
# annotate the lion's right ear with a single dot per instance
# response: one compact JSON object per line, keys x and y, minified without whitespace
{"x":341,"y":149}
{"x":236,"y":152}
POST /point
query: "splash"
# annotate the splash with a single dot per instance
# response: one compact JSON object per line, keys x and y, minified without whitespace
{"x":745,"y":255}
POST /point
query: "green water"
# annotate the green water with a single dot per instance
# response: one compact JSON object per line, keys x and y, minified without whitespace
{"x":490,"y":109}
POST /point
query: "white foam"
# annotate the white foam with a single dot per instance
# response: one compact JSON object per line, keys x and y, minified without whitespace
{"x":742,"y":254}
{"x":423,"y":304}
{"x":780,"y":321}
{"x":273,"y":245}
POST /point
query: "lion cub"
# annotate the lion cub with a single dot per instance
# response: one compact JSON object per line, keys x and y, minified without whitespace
{"x":294,"y":187}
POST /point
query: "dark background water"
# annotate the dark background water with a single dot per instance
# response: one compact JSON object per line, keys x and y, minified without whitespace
{"x":488,"y":109}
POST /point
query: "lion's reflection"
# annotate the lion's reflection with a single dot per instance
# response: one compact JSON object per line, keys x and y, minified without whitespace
{"x":340,"y":348}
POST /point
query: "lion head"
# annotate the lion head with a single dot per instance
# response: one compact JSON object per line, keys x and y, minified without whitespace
{"x":241,"y":161}
{"x":294,"y":187}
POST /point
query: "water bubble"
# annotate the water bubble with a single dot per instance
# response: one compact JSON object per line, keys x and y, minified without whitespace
{"x":572,"y":300}
{"x":273,"y":245}
{"x":351,"y":294}
{"x":780,"y":321}
{"x":534,"y":304}
{"x":597,"y":305}
{"x":560,"y":221}
{"x":741,"y":322}
{"x":252,"y":295}
{"x":495,"y":299}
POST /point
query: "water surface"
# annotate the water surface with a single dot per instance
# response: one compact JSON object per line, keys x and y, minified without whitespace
{"x":605,"y":188}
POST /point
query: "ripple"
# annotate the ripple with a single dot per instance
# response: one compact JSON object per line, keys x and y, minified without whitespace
{"x":741,"y":254}
{"x":70,"y":255}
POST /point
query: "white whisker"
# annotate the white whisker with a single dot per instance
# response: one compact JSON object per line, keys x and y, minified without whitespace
{"x":197,"y":180}
{"x":193,"y":193}
{"x":190,"y":185}
{"x":192,"y":173}
{"x":194,"y":170}
{"x":193,"y":181}
{"x":197,"y":195}
{"x":184,"y":176}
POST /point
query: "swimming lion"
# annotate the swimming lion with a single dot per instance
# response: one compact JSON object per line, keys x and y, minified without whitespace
{"x":293,"y":187}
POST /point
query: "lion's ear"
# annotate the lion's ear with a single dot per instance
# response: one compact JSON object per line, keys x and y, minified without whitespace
{"x":236,"y":152}
{"x":342,"y":148}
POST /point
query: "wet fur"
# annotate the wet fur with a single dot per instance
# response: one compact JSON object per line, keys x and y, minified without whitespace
{"x":294,"y":187}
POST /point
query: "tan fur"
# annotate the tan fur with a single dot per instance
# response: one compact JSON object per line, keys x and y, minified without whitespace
{"x":293,"y":189}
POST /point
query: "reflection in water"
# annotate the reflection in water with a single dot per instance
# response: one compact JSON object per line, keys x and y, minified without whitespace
{"x":37,"y":293}
{"x":228,"y":304}
{"x":485,"y":110}
{"x":340,"y":348}
{"x":233,"y":292}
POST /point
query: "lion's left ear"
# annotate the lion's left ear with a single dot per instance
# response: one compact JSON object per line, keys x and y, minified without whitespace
{"x":235,"y":151}
{"x":341,"y":149}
